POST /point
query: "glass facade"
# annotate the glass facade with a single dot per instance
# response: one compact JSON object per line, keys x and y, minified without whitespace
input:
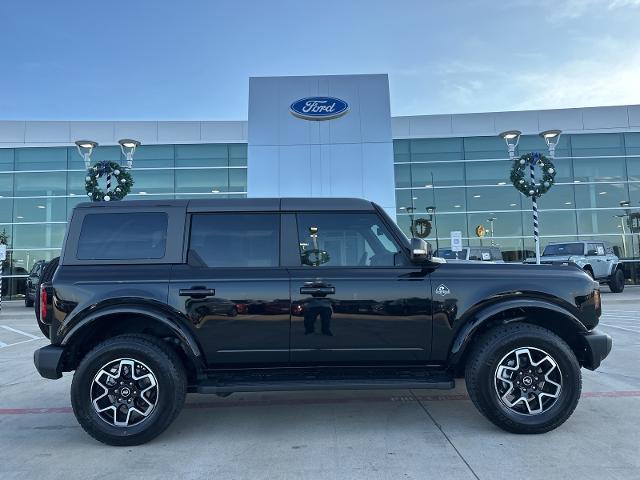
{"x":40,"y":186}
{"x":457,"y":183}
{"x":460,"y":184}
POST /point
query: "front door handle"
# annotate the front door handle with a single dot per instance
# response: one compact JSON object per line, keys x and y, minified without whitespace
{"x":197,"y":292}
{"x":318,"y":290}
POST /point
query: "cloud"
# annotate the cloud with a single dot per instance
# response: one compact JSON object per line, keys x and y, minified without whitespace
{"x":560,"y":10}
{"x":610,"y":77}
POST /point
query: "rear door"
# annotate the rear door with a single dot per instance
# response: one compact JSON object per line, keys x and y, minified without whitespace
{"x":232,"y":288}
{"x":355,"y":296}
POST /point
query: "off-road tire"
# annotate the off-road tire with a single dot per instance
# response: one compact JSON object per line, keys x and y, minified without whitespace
{"x":161,"y":360}
{"x":616,"y":282}
{"x":483,"y":361}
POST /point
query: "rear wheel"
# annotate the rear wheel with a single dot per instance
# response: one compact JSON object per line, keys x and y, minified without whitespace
{"x":616,"y":282}
{"x":128,"y":389}
{"x":523,"y":378}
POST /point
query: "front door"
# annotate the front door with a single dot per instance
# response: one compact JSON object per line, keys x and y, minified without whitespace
{"x":233,"y":291}
{"x":355,"y":297}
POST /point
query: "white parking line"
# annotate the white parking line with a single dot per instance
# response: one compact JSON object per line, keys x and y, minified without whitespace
{"x":621,"y":328}
{"x":20,"y":332}
{"x":4,"y":345}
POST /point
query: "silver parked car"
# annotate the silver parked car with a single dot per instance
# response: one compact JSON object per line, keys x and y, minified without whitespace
{"x":595,"y":257}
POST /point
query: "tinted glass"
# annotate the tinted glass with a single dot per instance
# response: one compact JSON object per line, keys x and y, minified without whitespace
{"x":345,"y":240}
{"x":123,"y":236}
{"x":236,"y":240}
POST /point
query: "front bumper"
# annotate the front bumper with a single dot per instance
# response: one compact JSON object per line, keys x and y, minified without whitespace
{"x":597,"y":346}
{"x":48,"y":361}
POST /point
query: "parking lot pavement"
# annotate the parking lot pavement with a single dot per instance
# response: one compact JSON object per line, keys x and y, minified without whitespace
{"x":335,"y":435}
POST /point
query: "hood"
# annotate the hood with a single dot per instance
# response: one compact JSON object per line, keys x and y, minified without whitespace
{"x":551,"y":259}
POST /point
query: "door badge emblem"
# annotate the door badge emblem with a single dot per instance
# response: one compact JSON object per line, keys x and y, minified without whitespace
{"x":443,"y":290}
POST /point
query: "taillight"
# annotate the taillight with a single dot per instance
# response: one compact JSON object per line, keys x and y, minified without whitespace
{"x":43,"y":304}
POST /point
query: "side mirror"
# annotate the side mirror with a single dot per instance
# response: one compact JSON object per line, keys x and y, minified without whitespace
{"x":591,"y":253}
{"x":420,"y":250}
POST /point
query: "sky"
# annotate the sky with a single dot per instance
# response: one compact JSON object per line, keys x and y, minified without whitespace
{"x":192,"y":59}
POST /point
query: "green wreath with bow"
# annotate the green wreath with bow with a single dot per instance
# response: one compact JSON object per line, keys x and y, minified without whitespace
{"x":421,"y":228}
{"x":121,"y":186}
{"x":521,"y":176}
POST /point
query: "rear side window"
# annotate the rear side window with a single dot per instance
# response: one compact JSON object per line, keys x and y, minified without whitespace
{"x":123,"y":236}
{"x":236,"y":240}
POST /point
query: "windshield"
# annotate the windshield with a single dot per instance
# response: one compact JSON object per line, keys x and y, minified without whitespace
{"x":449,"y":254}
{"x":563,"y":249}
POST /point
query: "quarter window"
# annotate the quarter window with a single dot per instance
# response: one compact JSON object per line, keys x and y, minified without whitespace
{"x":345,"y":240}
{"x":123,"y":236}
{"x":235,"y":240}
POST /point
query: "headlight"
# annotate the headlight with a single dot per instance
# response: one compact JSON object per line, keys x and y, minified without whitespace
{"x":597,"y":300}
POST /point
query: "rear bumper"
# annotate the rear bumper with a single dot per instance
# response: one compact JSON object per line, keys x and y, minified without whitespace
{"x":597,"y":346}
{"x":48,"y":361}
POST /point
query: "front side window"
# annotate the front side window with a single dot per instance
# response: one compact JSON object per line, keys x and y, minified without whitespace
{"x":345,"y":240}
{"x":228,"y":240}
{"x":123,"y":236}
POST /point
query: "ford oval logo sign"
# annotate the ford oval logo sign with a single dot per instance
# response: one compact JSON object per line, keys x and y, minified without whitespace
{"x":319,"y":108}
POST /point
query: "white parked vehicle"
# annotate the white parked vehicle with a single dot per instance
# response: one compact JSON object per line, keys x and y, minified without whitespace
{"x":595,"y":257}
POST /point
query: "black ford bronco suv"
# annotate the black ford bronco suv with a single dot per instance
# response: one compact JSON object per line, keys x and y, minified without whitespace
{"x":154,"y":299}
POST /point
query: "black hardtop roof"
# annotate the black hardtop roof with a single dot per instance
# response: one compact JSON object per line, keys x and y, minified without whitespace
{"x":243,"y":204}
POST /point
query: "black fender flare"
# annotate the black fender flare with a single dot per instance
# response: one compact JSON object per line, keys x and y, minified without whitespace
{"x":168,"y":319}
{"x":479,"y":317}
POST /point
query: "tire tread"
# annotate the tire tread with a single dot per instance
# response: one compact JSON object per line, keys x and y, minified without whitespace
{"x":175,"y":368}
{"x":482,"y":348}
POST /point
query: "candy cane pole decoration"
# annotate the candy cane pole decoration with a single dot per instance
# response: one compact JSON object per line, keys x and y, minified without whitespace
{"x":534,"y":204}
{"x":108,"y":182}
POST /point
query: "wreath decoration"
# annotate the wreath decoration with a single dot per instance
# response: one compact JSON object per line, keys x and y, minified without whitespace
{"x":421,"y":227}
{"x":520,"y":176}
{"x":121,"y":186}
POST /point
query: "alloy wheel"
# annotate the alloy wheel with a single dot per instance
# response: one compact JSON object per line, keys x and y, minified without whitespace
{"x":528,"y":381}
{"x":124,"y":392}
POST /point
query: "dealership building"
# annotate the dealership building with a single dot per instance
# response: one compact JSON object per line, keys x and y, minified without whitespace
{"x":334,"y":136}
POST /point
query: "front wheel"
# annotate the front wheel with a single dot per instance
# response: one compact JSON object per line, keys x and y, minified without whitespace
{"x":523,"y":378}
{"x":128,"y":389}
{"x":616,"y":282}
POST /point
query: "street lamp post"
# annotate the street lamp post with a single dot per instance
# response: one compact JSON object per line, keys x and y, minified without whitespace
{"x":512,"y":138}
{"x":85,"y":149}
{"x":128,"y":147}
{"x":622,"y":217}
{"x":551,"y":138}
{"x":491,"y":220}
{"x":432,"y":216}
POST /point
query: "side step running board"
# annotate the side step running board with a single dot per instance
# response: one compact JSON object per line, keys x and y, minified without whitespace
{"x":329,"y":379}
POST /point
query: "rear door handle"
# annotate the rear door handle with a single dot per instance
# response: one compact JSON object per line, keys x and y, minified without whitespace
{"x":325,"y":290}
{"x":197,"y":292}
